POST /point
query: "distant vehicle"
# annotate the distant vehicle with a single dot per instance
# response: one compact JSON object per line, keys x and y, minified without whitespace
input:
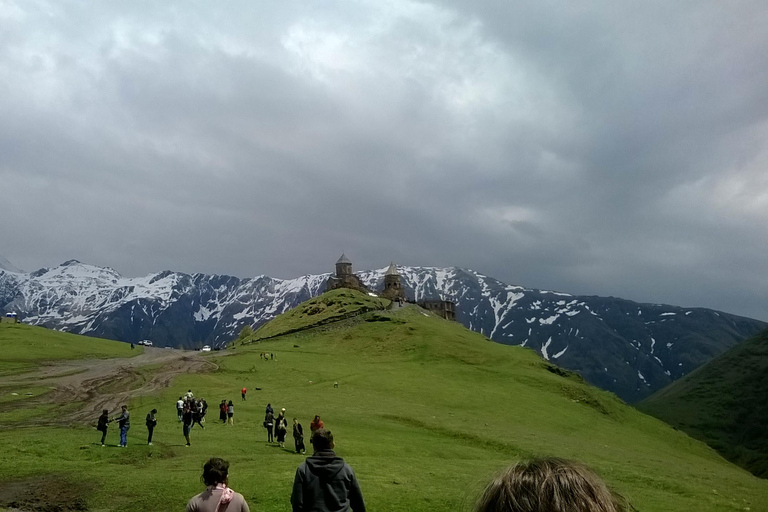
{"x":11,"y":315}
{"x":206,"y":348}
{"x":146,"y":343}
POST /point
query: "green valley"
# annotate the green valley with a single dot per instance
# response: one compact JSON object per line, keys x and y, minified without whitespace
{"x":425,"y":412}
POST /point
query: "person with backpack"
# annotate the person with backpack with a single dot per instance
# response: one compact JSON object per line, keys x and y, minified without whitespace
{"x":197,"y":413}
{"x":281,"y":427}
{"x":298,"y":436}
{"x":151,"y":424}
{"x":102,"y":425}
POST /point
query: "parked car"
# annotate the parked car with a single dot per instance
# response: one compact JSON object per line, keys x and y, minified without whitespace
{"x":206,"y":348}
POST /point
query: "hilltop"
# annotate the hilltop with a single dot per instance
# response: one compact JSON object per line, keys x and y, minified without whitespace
{"x":425,"y":412}
{"x":625,"y":347}
{"x":724,"y":403}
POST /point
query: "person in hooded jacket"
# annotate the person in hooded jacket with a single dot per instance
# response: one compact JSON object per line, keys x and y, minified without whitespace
{"x":324,"y":482}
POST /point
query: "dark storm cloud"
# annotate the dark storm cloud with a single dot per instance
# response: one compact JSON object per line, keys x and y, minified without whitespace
{"x":603,"y":150}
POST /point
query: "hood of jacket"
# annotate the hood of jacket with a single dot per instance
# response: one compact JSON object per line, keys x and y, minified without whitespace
{"x":325,"y":464}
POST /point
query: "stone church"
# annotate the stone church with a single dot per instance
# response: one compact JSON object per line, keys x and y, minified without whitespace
{"x":345,"y":278}
{"x":393,"y":288}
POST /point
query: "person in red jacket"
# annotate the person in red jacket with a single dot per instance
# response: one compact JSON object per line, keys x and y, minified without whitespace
{"x":242,"y":392}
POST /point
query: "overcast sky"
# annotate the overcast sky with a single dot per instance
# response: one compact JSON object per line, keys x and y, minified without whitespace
{"x":614,"y":148}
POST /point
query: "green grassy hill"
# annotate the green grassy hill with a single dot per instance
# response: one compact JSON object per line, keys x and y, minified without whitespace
{"x":426,"y":411}
{"x":724,"y":403}
{"x":22,"y":347}
{"x":327,"y":308}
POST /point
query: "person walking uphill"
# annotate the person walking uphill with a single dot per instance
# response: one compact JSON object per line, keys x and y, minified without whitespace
{"x":269,"y":423}
{"x":151,"y":424}
{"x":124,"y":422}
{"x":187,"y":420}
{"x":324,"y":482}
{"x":231,"y":412}
{"x":281,"y":427}
{"x":218,"y":497}
{"x":242,"y":393}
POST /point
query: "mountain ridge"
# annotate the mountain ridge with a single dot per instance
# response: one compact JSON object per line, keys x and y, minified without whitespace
{"x":626,"y":347}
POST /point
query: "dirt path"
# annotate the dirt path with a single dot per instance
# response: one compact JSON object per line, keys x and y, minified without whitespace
{"x":107,"y":383}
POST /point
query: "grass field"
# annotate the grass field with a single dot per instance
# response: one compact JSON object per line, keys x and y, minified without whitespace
{"x":23,"y":346}
{"x":425,"y":412}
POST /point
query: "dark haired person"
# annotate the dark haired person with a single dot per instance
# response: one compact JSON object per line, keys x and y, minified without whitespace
{"x":223,"y":411}
{"x":124,"y":422}
{"x":180,"y":407}
{"x":549,"y":485}
{"x":102,"y":425}
{"x":230,"y":413}
{"x":197,"y":413}
{"x":324,"y":482}
{"x":187,"y":419}
{"x":269,"y":424}
{"x":298,"y":436}
{"x":217,"y":497}
{"x":151,"y":424}
{"x":316,"y":424}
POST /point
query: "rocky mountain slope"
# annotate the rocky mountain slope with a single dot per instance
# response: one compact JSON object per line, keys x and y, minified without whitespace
{"x":629,"y":348}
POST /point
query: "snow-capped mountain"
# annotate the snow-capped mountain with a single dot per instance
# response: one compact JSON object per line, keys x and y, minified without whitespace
{"x":629,"y":348}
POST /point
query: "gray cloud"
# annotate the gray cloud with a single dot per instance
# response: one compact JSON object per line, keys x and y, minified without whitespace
{"x":599,"y":150}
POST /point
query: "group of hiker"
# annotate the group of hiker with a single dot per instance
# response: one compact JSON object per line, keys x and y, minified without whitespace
{"x":324,"y":482}
{"x":124,"y":424}
{"x":277,"y":428}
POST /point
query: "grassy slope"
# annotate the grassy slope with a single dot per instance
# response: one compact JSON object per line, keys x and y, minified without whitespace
{"x":425,"y":412}
{"x":329,"y":307}
{"x":24,"y":346}
{"x":724,"y":403}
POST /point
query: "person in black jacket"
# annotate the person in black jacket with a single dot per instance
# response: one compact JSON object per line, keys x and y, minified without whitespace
{"x":102,"y":425}
{"x":324,"y":482}
{"x":269,"y":423}
{"x":151,"y":424}
{"x":298,"y":436}
{"x":186,"y":422}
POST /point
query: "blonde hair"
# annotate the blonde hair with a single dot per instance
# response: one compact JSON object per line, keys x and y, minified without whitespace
{"x":549,"y":485}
